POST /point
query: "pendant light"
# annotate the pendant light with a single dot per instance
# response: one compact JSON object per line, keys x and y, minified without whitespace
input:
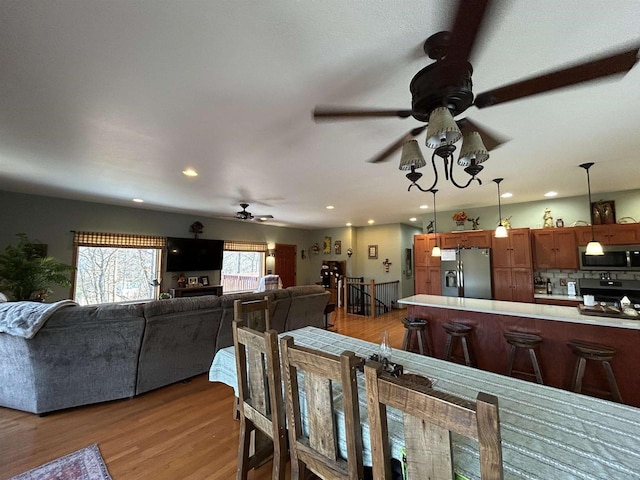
{"x":501,"y":231}
{"x":593,"y":247}
{"x":435,"y":252}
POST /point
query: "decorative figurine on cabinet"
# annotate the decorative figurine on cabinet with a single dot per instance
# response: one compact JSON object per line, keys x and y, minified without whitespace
{"x":548,"y":219}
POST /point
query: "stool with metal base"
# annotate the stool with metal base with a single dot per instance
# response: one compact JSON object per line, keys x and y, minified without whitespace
{"x":328,"y":310}
{"x":530,"y":342}
{"x":463,"y":332}
{"x":417,"y":327}
{"x":597,"y":352}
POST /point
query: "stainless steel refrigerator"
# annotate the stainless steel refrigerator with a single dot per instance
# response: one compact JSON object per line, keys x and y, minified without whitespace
{"x":466,"y":272}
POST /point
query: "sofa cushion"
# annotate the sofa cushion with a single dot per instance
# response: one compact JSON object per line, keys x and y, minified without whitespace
{"x":307,"y":306}
{"x":179,"y":340}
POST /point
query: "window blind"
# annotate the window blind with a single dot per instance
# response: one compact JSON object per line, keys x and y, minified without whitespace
{"x":240,"y":246}
{"x":118,"y":240}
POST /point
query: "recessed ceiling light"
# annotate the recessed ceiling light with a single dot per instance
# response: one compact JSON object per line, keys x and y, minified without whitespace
{"x":349,"y":224}
{"x":507,"y":195}
{"x":330,"y":207}
{"x":424,"y":206}
{"x":190,"y":172}
{"x":413,"y":219}
{"x":551,"y":194}
{"x":371,"y":222}
{"x":138,"y":200}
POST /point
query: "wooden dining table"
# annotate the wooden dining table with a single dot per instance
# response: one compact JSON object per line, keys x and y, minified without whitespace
{"x":547,"y":433}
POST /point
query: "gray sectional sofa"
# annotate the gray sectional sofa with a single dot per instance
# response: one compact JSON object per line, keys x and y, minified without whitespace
{"x":93,"y":354}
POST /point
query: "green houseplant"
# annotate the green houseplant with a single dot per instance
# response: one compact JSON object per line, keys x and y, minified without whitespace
{"x":26,"y":274}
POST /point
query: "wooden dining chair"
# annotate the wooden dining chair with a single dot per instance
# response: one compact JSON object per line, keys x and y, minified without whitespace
{"x":256,"y":313}
{"x":315,"y":449}
{"x":429,"y":418}
{"x":260,"y":401}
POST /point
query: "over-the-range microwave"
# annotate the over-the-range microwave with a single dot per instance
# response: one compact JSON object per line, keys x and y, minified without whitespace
{"x":616,"y":257}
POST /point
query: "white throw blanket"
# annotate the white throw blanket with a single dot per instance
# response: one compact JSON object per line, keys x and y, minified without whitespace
{"x":24,"y":319}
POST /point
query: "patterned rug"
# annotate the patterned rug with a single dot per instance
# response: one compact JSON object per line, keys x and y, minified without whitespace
{"x":85,"y":464}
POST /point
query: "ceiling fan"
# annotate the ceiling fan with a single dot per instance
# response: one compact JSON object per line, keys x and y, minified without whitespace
{"x":443,"y":90}
{"x":245,"y":215}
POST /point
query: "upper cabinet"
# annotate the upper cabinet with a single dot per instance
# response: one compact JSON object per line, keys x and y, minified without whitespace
{"x":555,"y":248}
{"x":512,"y":251}
{"x":612,"y":234}
{"x":467,"y":239}
{"x":422,"y":246}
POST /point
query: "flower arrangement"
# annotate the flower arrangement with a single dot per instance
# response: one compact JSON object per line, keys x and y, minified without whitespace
{"x":460,"y":216}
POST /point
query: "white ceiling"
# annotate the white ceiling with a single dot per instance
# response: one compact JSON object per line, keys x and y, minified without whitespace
{"x":110,"y":100}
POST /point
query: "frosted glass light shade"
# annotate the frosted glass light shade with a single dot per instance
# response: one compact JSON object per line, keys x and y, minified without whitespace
{"x":472,"y":150}
{"x":442,"y":128}
{"x":501,"y":232}
{"x":594,"y":248}
{"x":411,"y":156}
{"x":435,"y":252}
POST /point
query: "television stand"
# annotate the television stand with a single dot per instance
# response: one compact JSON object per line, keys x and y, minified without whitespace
{"x":196,"y":291}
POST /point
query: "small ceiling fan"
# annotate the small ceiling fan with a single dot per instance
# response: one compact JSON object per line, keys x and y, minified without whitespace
{"x":443,"y":90}
{"x":245,"y":215}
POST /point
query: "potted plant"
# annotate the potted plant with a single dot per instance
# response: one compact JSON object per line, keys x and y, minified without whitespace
{"x":26,"y":274}
{"x":460,"y":218}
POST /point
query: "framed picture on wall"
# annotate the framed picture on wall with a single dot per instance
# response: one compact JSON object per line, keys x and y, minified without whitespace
{"x":337,"y":247}
{"x":373,"y":252}
{"x":326,"y":247}
{"x":603,"y":212}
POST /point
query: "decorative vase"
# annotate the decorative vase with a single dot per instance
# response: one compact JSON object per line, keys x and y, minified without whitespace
{"x":459,"y":225}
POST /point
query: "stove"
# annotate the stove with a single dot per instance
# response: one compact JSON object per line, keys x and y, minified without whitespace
{"x":609,"y":292}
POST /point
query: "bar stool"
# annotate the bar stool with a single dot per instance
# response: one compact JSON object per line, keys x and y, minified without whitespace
{"x":328,"y":310}
{"x":417,"y":327}
{"x":530,"y":342}
{"x":463,"y":332}
{"x":600,"y":353}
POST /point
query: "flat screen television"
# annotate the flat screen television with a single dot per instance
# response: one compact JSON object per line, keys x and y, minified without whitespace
{"x":193,"y":254}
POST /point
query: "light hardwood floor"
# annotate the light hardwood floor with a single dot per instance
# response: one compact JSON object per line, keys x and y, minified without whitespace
{"x":184,"y":431}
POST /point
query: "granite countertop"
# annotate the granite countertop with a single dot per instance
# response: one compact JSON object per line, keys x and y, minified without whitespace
{"x":519,"y":309}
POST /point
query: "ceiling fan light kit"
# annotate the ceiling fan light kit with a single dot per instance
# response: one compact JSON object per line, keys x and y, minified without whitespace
{"x":473,"y":150}
{"x":442,"y":128}
{"x":411,"y":156}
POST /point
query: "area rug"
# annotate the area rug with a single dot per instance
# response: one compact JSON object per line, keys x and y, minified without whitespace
{"x":85,"y":464}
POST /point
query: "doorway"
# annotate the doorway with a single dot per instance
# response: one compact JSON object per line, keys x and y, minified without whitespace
{"x":285,"y":264}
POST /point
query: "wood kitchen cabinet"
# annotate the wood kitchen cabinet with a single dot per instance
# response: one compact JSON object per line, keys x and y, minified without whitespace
{"x":426,"y":276}
{"x":513,"y":284}
{"x":612,"y":234}
{"x":427,"y":280}
{"x":467,"y":239}
{"x":512,"y":251}
{"x":422,"y":246}
{"x":555,"y":248}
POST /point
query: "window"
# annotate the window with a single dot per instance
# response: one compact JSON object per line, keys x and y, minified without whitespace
{"x":116,"y":267}
{"x":242,"y":266}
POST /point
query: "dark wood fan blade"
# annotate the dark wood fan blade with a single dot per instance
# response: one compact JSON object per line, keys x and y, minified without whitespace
{"x":466,"y":26}
{"x":387,"y":152}
{"x":611,"y":64}
{"x":490,"y":139}
{"x":331,"y":113}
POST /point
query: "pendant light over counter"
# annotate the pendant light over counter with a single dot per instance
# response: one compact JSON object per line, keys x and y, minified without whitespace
{"x":501,"y":231}
{"x":435,"y":252}
{"x":593,"y":247}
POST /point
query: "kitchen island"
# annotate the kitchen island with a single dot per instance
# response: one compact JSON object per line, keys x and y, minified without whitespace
{"x":555,"y":324}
